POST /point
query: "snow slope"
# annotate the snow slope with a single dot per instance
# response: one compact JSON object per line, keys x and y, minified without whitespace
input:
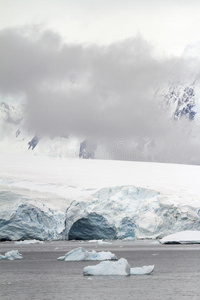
{"x":44,"y":198}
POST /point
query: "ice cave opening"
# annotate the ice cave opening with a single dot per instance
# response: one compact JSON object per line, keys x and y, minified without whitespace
{"x":94,"y":226}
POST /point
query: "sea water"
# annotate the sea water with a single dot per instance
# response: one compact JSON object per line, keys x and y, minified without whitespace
{"x":40,"y":276}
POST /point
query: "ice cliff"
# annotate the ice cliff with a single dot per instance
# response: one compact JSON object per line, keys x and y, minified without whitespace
{"x":21,"y":220}
{"x":127,"y":211}
{"x":110,"y":213}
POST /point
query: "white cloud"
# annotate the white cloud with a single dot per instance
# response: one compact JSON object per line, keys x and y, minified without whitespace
{"x":105,"y":93}
{"x":169,"y":25}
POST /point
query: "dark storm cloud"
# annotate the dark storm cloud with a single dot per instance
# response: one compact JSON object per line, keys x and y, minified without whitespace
{"x":104,"y":93}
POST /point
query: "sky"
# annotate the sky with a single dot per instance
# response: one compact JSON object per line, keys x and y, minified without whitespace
{"x":168,"y":25}
{"x":92,"y":67}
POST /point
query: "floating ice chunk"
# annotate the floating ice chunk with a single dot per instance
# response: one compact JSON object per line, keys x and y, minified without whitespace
{"x":182,"y":237}
{"x":80,"y":253}
{"x":27,"y":242}
{"x":120,"y":267}
{"x":145,"y":270}
{"x":130,"y":238}
{"x":11,"y":255}
{"x":100,"y":242}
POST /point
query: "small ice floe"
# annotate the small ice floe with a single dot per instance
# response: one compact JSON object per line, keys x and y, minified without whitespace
{"x":80,"y":253}
{"x":129,"y":238}
{"x":100,"y":242}
{"x":27,"y":242}
{"x":11,"y":255}
{"x":182,"y":237}
{"x":121,"y":267}
{"x":145,"y":270}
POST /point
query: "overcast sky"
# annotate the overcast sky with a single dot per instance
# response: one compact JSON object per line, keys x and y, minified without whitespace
{"x":169,"y":25}
{"x":92,"y":68}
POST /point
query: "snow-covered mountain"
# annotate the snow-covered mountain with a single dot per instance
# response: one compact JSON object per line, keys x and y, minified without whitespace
{"x":16,"y":139}
{"x":47,"y":192}
{"x":180,"y":100}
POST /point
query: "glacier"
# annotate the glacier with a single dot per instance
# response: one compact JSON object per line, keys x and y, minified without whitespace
{"x":21,"y":220}
{"x":80,"y":254}
{"x":112,"y":213}
{"x":95,"y":200}
{"x":128,"y":212}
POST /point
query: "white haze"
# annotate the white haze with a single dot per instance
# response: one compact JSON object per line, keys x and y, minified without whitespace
{"x":103,"y":93}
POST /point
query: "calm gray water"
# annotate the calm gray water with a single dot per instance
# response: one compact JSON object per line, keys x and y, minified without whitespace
{"x":40,"y":276}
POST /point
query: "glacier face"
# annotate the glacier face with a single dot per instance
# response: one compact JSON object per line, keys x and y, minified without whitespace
{"x":21,"y":220}
{"x":110,"y":213}
{"x":128,"y":212}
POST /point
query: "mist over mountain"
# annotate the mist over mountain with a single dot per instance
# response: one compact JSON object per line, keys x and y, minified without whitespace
{"x":111,"y":102}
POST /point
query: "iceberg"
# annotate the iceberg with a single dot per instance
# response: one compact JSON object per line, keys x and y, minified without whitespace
{"x":11,"y":255}
{"x":100,"y":242}
{"x":182,"y":237}
{"x":80,"y":254}
{"x":121,"y":267}
{"x":145,"y":270}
